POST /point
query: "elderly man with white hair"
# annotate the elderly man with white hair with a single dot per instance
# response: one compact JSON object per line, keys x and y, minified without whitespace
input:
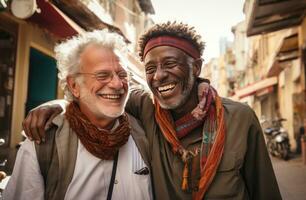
{"x":91,"y":152}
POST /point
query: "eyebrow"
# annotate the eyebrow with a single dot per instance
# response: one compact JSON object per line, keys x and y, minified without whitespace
{"x":107,"y":71}
{"x":101,"y":71}
{"x":165,"y":58}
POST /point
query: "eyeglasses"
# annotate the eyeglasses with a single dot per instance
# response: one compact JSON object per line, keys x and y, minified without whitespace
{"x":107,"y":76}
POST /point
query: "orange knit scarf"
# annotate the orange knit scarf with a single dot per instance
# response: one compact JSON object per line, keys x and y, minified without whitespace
{"x":210,"y":108}
{"x":99,"y":142}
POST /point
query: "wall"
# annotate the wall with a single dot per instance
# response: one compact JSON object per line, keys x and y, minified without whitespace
{"x":29,"y":35}
{"x":285,"y":101}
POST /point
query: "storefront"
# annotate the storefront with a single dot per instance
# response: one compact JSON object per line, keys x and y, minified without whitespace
{"x":28,"y":74}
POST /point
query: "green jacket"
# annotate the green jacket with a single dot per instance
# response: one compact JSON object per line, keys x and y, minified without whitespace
{"x":245,"y":171}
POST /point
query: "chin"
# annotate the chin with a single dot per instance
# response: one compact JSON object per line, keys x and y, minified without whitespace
{"x":110,"y":113}
{"x":174,"y":103}
{"x":114,"y":114}
{"x":169,"y":106}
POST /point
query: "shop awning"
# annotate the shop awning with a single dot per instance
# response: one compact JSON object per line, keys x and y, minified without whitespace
{"x":54,"y":20}
{"x":86,"y":18}
{"x":272,"y":15}
{"x":288,"y":50}
{"x":255,"y":87}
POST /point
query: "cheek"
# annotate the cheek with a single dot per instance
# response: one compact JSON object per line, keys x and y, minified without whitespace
{"x":181,"y":73}
{"x":93,"y":87}
{"x":149,"y":78}
{"x":126,"y":86}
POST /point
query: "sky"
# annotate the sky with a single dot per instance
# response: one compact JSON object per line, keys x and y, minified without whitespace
{"x":213,"y":19}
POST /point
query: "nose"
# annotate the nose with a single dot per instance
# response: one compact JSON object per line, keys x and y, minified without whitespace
{"x":159,"y":74}
{"x":116,"y":82}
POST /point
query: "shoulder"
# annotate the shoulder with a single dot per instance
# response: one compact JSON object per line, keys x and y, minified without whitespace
{"x":132,"y":119}
{"x":234,"y":109}
{"x":140,"y":101}
{"x":234,"y":106}
{"x":134,"y":123}
{"x":140,"y":93}
{"x":60,"y":120}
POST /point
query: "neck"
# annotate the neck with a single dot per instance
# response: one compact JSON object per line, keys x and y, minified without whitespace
{"x":187,"y":106}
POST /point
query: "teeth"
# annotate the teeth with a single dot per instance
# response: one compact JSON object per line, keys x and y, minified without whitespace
{"x":166,"y":87}
{"x":110,"y":96}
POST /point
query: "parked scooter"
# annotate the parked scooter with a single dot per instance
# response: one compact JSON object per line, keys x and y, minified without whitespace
{"x":277,"y":139}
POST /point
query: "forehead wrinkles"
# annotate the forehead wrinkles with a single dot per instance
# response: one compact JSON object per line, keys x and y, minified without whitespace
{"x":110,"y":65}
{"x":113,"y":61}
{"x":158,"y":54}
{"x":93,"y":52}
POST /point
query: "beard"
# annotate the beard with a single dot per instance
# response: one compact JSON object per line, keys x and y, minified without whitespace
{"x":100,"y":109}
{"x":182,"y":99}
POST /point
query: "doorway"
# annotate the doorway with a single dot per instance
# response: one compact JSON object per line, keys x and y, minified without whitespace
{"x":42,"y":82}
{"x":8,"y":43}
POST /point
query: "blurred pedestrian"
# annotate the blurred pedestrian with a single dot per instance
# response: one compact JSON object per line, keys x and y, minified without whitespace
{"x":299,"y":136}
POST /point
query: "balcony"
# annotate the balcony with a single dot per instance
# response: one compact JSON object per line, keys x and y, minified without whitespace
{"x":266,"y":16}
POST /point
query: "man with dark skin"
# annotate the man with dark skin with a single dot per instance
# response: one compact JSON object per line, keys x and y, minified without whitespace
{"x":202,"y":146}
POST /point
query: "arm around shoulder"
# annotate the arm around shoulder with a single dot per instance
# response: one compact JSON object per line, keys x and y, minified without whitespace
{"x":40,"y":119}
{"x":61,"y":102}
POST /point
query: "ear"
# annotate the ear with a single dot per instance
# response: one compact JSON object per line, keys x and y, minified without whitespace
{"x":73,"y":86}
{"x":197,"y":67}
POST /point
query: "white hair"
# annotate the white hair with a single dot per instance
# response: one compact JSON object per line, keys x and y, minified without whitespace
{"x":68,"y":52}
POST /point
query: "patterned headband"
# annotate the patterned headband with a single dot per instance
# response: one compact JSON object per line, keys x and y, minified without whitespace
{"x":171,"y":41}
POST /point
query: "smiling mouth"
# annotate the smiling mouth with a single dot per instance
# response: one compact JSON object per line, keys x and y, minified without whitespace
{"x":166,"y":88}
{"x":110,"y":96}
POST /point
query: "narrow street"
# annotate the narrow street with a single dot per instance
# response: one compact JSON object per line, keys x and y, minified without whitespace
{"x":291,"y":177}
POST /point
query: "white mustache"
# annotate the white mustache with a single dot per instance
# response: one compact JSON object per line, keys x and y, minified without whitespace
{"x":114,"y":92}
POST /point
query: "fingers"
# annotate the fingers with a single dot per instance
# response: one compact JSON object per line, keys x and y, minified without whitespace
{"x":39,"y":120}
{"x":54,"y":111}
{"x":45,"y":116}
{"x":34,"y":128}
{"x":32,"y":125}
{"x":26,"y":126}
{"x":43,"y":119}
{"x":202,"y":89}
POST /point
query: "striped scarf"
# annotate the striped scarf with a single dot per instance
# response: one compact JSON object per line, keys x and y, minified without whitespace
{"x":211,"y":111}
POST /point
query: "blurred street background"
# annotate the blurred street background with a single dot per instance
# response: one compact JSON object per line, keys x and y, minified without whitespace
{"x":255,"y":53}
{"x":291,"y":177}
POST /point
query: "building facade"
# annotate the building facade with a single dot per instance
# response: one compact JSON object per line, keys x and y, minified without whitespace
{"x":273,"y":80}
